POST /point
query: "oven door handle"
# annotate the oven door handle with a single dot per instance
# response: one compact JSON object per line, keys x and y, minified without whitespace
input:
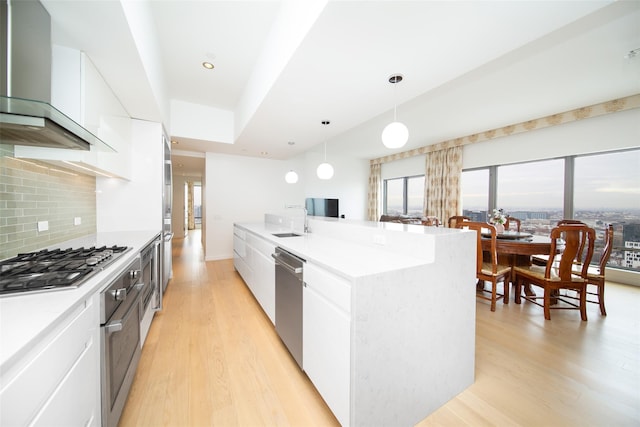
{"x":116,"y":325}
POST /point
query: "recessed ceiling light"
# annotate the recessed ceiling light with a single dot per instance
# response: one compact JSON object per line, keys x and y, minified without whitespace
{"x":207,"y":65}
{"x":173,"y":141}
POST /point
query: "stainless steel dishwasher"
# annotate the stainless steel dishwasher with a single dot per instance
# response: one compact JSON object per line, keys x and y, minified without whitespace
{"x":289,"y":301}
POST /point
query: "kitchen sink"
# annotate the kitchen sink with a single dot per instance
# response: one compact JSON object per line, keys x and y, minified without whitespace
{"x":287,"y":234}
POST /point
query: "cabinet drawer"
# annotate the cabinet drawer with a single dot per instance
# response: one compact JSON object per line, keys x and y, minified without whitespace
{"x":239,"y":232}
{"x":73,"y":403}
{"x":332,"y":287}
{"x":261,"y":245}
{"x":24,"y":393}
{"x":239,"y":246}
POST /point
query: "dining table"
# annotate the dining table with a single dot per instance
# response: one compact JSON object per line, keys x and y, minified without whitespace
{"x":516,"y":248}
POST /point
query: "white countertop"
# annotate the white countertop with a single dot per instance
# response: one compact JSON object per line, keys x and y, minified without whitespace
{"x":348,"y":258}
{"x":25,"y":318}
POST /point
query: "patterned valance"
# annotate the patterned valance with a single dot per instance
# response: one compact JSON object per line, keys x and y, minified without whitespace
{"x":596,"y":110}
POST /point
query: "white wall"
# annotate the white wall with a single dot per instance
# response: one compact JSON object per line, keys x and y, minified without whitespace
{"x":178,"y":207}
{"x":604,"y":133}
{"x":349,"y":183}
{"x":243,"y":189}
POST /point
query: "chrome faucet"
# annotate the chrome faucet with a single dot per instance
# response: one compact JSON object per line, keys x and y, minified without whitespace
{"x":306,"y":219}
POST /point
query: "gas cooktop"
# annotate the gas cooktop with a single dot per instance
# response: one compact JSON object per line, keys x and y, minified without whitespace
{"x":47,"y":270}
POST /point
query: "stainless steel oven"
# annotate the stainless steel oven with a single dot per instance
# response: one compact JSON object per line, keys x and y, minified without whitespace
{"x":120,"y":313}
{"x":151,"y":300}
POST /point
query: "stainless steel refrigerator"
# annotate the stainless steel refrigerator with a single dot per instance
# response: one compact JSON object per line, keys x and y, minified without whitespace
{"x":167,"y":200}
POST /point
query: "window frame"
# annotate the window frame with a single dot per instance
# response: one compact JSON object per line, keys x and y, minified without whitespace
{"x":569,"y":182}
{"x":405,"y":192}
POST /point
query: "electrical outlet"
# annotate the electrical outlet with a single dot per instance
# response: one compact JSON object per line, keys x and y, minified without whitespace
{"x":43,"y":225}
{"x":77,"y":220}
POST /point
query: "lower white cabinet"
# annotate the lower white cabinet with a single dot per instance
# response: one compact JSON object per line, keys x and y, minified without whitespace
{"x":252,"y":259}
{"x":326,"y":350}
{"x":264,"y":286}
{"x":58,"y":382}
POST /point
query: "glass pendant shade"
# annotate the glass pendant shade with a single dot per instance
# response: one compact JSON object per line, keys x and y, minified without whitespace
{"x":395,"y":135}
{"x":291,"y":177}
{"x":324,"y":171}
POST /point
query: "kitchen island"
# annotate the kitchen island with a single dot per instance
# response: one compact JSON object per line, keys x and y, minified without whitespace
{"x":388,"y":312}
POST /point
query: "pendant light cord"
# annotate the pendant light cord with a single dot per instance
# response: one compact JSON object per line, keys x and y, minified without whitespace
{"x":395,"y":104}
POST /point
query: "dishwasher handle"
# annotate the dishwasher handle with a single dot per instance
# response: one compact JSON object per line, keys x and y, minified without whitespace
{"x":288,"y":267}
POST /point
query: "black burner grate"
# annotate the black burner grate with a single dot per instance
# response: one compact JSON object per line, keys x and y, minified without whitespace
{"x":54,"y":269}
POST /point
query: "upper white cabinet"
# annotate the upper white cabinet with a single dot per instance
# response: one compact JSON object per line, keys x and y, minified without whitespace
{"x":79,"y":91}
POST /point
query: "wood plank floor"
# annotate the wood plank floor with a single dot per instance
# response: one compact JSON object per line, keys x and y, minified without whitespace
{"x":212,"y":358}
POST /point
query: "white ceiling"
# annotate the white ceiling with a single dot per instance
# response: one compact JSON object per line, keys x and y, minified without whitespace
{"x":468,"y":66}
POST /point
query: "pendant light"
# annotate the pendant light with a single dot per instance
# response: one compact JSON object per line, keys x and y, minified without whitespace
{"x":291,"y":177}
{"x":395,"y":134}
{"x":325,"y":170}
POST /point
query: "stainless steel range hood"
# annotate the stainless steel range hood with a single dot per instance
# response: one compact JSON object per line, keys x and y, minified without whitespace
{"x":26,"y":115}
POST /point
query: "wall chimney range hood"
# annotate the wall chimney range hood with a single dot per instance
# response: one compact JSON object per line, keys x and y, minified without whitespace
{"x":26,"y":115}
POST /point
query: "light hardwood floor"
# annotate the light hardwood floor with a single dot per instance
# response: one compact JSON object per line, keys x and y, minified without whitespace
{"x":212,"y":358}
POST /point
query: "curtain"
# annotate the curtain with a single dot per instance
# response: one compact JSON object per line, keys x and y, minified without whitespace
{"x":374,"y":196}
{"x":442,"y":183}
{"x":191,"y":219}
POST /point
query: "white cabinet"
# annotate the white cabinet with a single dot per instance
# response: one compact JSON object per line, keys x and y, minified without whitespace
{"x":240,"y":254}
{"x":58,"y":381}
{"x":80,"y":92}
{"x":327,"y":337}
{"x":264,"y":286}
{"x":105,"y":117}
{"x":252,"y":259}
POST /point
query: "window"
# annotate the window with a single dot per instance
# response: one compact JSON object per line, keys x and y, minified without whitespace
{"x":532,"y":192}
{"x":607,"y":191}
{"x":597,"y":189}
{"x":474,"y":187}
{"x":404,"y":196}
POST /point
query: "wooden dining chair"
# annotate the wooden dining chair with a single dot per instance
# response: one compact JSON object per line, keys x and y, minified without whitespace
{"x":510,"y":220}
{"x":490,"y":270}
{"x":431,"y":221}
{"x":596,"y":273}
{"x":541,"y":259}
{"x":454,"y":220}
{"x":559,"y":273}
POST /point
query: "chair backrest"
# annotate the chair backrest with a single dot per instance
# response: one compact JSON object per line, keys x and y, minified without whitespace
{"x":578,"y":241}
{"x":454,"y":220}
{"x":580,"y":254}
{"x":430,"y":221}
{"x":512,"y":220}
{"x":480,"y":228}
{"x":606,"y":250}
{"x":569,"y":221}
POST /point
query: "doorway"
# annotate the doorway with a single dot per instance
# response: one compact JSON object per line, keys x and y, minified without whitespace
{"x":193,"y":205}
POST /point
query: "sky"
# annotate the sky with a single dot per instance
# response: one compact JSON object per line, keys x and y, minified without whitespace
{"x":602,"y":182}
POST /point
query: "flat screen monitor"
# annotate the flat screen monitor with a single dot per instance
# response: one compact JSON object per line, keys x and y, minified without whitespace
{"x":322,"y":207}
